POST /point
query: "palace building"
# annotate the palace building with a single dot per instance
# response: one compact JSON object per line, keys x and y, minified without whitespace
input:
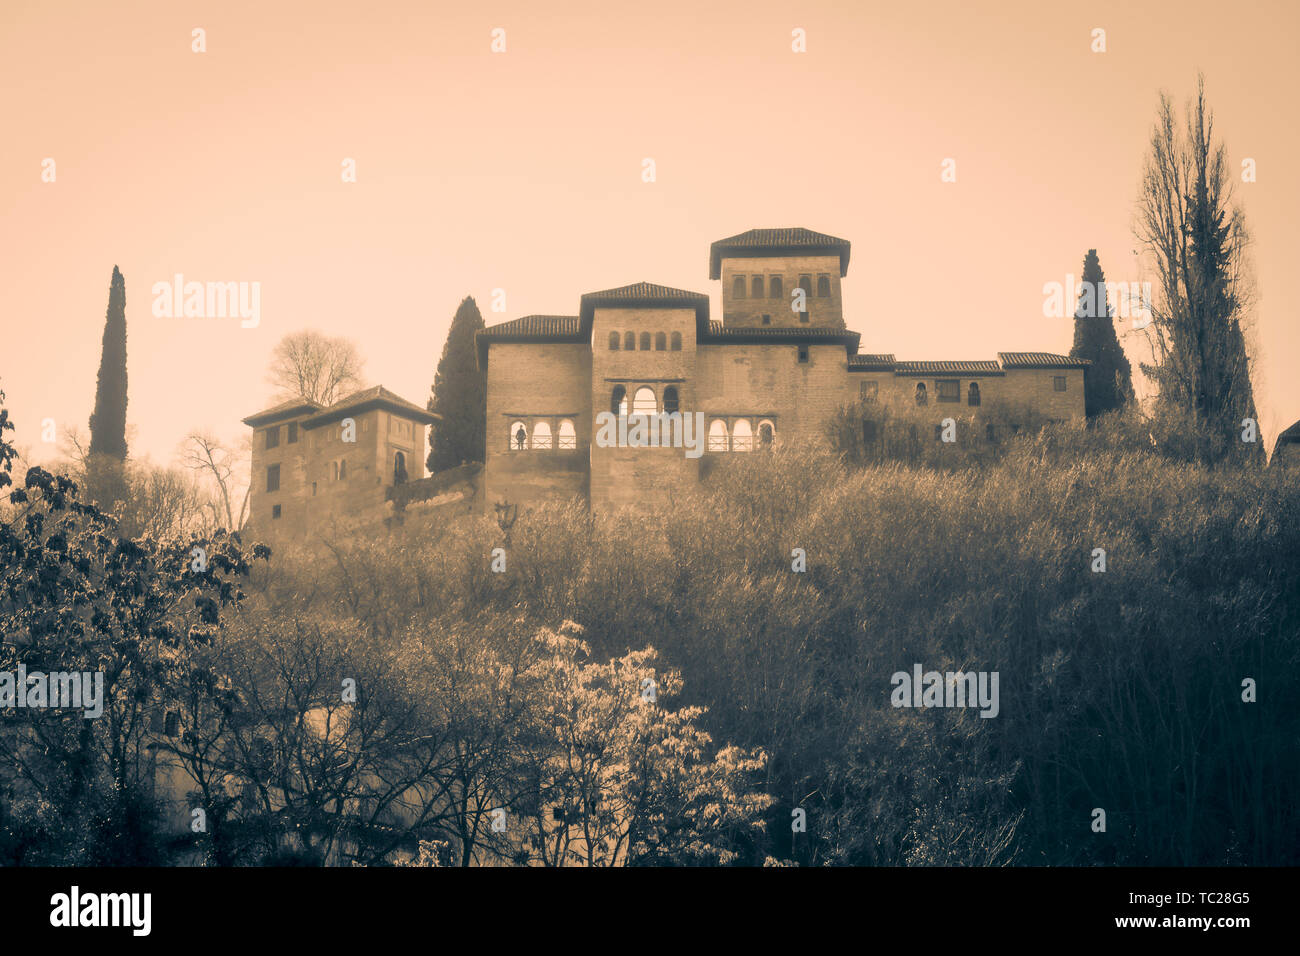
{"x":776,"y":367}
{"x":315,"y":466}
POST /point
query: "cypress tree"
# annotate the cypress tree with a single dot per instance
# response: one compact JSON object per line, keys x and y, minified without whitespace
{"x":459,"y":396}
{"x":1108,"y":382}
{"x":108,"y":422}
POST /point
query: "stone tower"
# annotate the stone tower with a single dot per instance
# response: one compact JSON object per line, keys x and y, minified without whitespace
{"x":761,"y":269}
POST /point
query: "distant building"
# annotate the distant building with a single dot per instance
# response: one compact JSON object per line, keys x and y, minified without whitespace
{"x":314,"y":466}
{"x":768,"y":371}
{"x":1286,"y":450}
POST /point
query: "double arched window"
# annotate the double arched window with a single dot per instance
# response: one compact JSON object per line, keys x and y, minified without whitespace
{"x":740,"y":437}
{"x":546,"y":434}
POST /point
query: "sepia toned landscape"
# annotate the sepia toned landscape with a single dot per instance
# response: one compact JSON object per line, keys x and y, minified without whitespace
{"x":728,"y":438}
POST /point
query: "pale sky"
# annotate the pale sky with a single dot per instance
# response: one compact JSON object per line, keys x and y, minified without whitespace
{"x":522,"y":171}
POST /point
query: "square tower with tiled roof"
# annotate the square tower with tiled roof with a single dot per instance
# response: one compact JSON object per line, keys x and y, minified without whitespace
{"x":782,"y":278}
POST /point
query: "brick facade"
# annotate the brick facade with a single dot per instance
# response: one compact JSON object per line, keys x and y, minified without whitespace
{"x":765,"y":370}
{"x":316,"y":468}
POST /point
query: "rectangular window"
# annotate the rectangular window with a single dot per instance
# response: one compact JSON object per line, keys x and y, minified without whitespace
{"x":949,"y":390}
{"x":275,"y":511}
{"x":867,"y":391}
{"x":803,"y":353}
{"x":313,"y":489}
{"x":869,"y":432}
{"x":293,"y":433}
{"x":273,"y":478}
{"x":273,"y":437}
{"x":776,"y":287}
{"x":1058,"y":383}
{"x":767,"y":319}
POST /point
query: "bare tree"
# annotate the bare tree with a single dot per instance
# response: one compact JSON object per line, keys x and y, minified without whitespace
{"x":1196,"y":239}
{"x":204,"y":453}
{"x":310,"y":365}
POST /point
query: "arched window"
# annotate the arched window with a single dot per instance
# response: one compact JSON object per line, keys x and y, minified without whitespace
{"x":568,"y":438}
{"x":757,"y":287}
{"x":742,"y":436}
{"x":766,"y":434}
{"x":823,"y":287}
{"x":542,"y":435}
{"x":775,"y":287}
{"x":671,"y":400}
{"x":629,"y":342}
{"x":334,"y":471}
{"x":738,"y":287}
{"x":643,"y":403}
{"x":718,"y":435}
{"x":645,"y":341}
{"x":343,"y":469}
{"x":921,"y":397}
{"x":973,"y":394}
{"x":661,"y":342}
{"x":399,"y":468}
{"x":613,"y":341}
{"x":618,"y":402}
{"x":518,"y":436}
{"x":676,"y":342}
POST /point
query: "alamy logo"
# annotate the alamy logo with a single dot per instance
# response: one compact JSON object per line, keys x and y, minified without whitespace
{"x":1094,"y":300}
{"x":208,"y":300}
{"x":950,"y":689}
{"x":102,"y":909}
{"x":58,"y":689}
{"x":658,"y":430}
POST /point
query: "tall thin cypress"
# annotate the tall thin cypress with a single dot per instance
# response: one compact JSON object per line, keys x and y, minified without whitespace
{"x":108,"y":422}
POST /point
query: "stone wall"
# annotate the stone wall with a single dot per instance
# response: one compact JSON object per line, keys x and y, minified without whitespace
{"x":824,"y":311}
{"x":531,"y":382}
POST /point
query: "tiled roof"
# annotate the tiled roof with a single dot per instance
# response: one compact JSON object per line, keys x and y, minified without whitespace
{"x":533,"y":325}
{"x":1289,"y":435}
{"x":719,"y":334}
{"x":645,"y":295}
{"x":639,"y":292}
{"x":530,"y":328}
{"x":287,"y":409}
{"x":365,"y":400}
{"x":775,"y":331}
{"x":1040,"y":360}
{"x":760,"y":242}
{"x":880,"y":362}
{"x":976,"y":367}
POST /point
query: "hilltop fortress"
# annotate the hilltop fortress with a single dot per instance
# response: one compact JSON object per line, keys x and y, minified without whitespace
{"x":776,"y":367}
